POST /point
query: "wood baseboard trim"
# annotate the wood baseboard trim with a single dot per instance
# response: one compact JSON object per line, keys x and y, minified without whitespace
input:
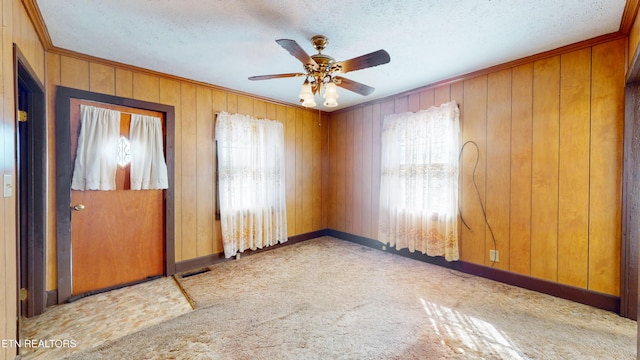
{"x":584,"y":296}
{"x":199,"y":262}
{"x":602,"y":301}
{"x":599,"y":300}
{"x":204,"y":261}
{"x":52,"y":297}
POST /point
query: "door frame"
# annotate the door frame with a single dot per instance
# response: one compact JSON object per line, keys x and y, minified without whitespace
{"x":36,"y":187}
{"x":64,"y":170}
{"x":630,"y":232}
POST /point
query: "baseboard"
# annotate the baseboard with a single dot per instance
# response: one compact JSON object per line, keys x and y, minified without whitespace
{"x":583,"y":296}
{"x":52,"y":297}
{"x":579,"y":295}
{"x":199,"y":262}
{"x":204,"y":261}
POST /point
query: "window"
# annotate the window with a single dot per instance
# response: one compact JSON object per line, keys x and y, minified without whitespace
{"x":123,"y":156}
{"x":424,"y":173}
{"x":251,"y":174}
{"x":419,"y":182}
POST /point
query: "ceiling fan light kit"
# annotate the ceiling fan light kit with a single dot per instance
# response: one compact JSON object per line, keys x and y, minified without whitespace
{"x":331,"y":95}
{"x":320,"y":71}
{"x":306,"y":95}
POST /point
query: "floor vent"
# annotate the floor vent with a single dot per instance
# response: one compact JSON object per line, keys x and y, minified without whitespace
{"x":194,"y":272}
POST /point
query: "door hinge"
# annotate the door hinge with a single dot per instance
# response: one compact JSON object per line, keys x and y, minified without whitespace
{"x":24,"y":294}
{"x":22,"y":116}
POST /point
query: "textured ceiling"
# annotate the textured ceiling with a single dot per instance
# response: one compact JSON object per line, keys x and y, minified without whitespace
{"x":223,"y":42}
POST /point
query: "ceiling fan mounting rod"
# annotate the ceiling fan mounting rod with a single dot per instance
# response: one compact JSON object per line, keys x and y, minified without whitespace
{"x":319,"y":70}
{"x":319,"y":42}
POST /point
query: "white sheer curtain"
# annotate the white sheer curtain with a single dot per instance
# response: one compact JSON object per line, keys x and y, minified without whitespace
{"x":419,"y":182}
{"x":148,"y":167}
{"x":251,"y":174}
{"x":95,"y":164}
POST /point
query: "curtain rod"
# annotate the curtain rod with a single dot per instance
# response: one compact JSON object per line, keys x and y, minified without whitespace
{"x":215,"y":114}
{"x":122,"y":112}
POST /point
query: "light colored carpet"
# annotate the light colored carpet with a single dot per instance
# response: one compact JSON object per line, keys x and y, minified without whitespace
{"x":330,"y":299}
{"x":97,"y":319}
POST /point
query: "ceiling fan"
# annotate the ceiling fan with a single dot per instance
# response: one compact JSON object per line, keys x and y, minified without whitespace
{"x":320,"y":70}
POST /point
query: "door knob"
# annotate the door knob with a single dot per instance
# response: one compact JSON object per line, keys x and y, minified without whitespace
{"x":78,"y":207}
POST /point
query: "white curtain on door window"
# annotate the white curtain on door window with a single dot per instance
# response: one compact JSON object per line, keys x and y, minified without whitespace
{"x":95,"y":164}
{"x":148,"y":166}
{"x":251,"y":174}
{"x":419,"y":182}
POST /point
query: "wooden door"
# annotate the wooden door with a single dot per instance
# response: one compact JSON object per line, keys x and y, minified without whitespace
{"x":117,"y":237}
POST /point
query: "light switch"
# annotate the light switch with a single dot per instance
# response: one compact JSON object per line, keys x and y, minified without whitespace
{"x":8,"y":185}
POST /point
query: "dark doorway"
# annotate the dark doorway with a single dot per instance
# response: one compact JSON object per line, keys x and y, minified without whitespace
{"x":31,"y":145}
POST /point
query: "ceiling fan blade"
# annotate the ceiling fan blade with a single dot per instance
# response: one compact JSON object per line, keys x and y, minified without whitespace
{"x":294,"y":49}
{"x":275,"y":76}
{"x":354,"y":86}
{"x":362,"y":62}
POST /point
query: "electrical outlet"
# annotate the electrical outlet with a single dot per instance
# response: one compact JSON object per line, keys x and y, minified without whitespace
{"x":494,"y":255}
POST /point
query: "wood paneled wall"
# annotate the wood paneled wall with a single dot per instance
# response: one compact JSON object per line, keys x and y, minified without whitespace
{"x":337,"y":167}
{"x":550,"y":139}
{"x":197,"y":233}
{"x":16,"y":28}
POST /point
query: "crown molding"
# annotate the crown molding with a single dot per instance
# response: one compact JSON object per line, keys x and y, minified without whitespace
{"x":508,"y":65}
{"x":122,"y":66}
{"x":629,"y":16}
{"x":33,"y":11}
